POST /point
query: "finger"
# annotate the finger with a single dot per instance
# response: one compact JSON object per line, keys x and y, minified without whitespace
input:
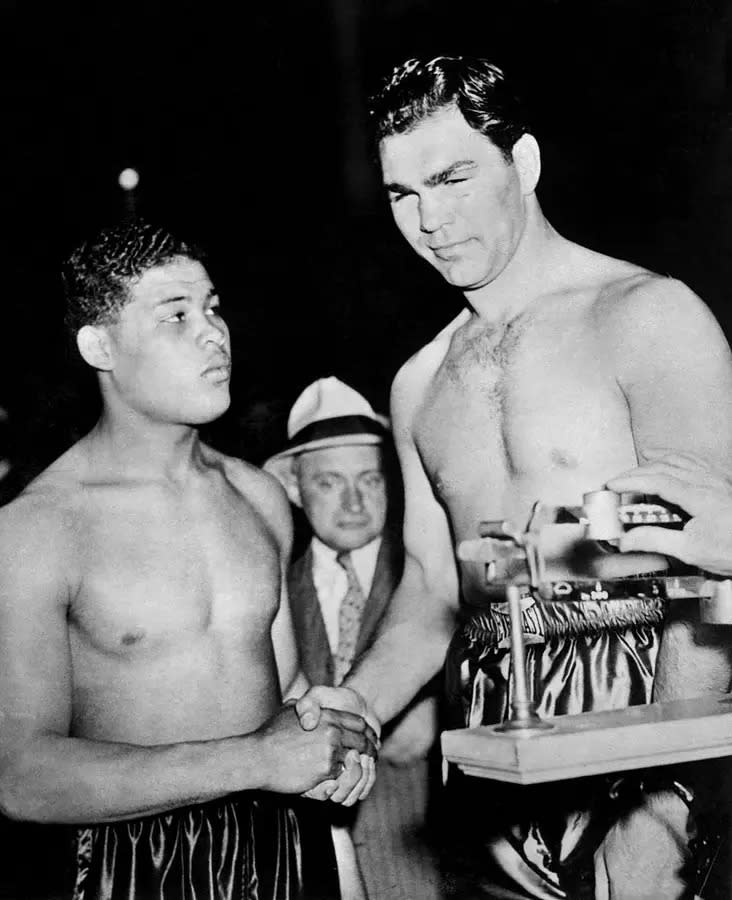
{"x":650,"y":539}
{"x":349,"y":777}
{"x":341,"y":698}
{"x":354,"y":722}
{"x":360,"y":705}
{"x":343,"y":719}
{"x":322,"y":791}
{"x":366,"y":790}
{"x":661,"y":484}
{"x":360,"y":790}
{"x":359,"y":742}
{"x":372,"y":779}
{"x":308,"y":710}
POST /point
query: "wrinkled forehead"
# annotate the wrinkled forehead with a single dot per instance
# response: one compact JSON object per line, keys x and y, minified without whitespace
{"x":431,"y":146}
{"x":346,"y":460}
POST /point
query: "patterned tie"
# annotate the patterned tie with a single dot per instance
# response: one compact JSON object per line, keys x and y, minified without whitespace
{"x":349,"y":619}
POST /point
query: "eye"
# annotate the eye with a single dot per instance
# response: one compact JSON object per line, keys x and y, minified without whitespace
{"x":176,"y":317}
{"x":455,"y":180}
{"x":373,"y":480}
{"x":324,"y":484}
{"x":397,"y":198}
{"x":214,"y":310}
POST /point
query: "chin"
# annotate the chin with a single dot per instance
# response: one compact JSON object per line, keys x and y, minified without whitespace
{"x":461,"y":277}
{"x":353,"y":541}
{"x":209,"y":412}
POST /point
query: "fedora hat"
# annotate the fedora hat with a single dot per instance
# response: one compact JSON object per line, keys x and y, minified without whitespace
{"x":328,"y":413}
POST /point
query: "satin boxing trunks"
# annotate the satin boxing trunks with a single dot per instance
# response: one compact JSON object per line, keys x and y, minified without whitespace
{"x":581,"y":655}
{"x":248,"y":846}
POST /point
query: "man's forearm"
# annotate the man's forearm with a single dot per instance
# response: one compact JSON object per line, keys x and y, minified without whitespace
{"x":70,"y":780}
{"x":403,"y":659}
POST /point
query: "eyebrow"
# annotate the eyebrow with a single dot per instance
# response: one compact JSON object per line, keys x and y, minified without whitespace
{"x":181,"y":298}
{"x":436,"y":179}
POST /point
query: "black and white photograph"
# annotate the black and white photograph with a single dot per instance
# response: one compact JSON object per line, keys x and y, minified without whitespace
{"x":366,"y":450}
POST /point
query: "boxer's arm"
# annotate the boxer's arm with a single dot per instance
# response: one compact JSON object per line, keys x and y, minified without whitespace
{"x":293,"y":682}
{"x":675,"y":370}
{"x":412,"y":640}
{"x":47,"y":775}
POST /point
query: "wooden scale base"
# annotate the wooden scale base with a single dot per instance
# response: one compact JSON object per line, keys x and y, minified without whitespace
{"x":593,"y":743}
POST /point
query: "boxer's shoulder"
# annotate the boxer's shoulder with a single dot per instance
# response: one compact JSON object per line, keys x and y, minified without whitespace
{"x":413,"y":380}
{"x":259,"y":490}
{"x":39,"y":538}
{"x":637,"y":298}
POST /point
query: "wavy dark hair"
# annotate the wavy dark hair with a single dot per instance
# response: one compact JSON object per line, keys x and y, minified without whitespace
{"x":98,"y":273}
{"x":419,"y":88}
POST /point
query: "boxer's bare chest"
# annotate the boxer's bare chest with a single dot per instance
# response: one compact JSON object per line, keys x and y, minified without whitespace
{"x":518,"y":412}
{"x":159,"y":569}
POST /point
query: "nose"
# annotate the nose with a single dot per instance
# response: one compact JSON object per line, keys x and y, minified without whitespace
{"x":213,"y":331}
{"x":433,"y":213}
{"x":352,"y":499}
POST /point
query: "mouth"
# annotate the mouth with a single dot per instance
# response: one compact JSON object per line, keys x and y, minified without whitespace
{"x":353,"y":525}
{"x":447,"y":251}
{"x":219,"y":372}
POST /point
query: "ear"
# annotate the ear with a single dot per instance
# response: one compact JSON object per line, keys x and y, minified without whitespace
{"x":285,"y":472}
{"x":527,"y":159}
{"x":292,"y":486}
{"x":95,"y":347}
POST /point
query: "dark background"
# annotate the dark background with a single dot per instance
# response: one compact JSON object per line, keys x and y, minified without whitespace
{"x":247,"y":125}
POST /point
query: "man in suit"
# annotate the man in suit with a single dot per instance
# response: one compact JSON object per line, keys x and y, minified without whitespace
{"x":335,"y":468}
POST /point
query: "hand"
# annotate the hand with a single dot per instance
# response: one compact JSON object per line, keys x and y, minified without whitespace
{"x":294,"y":760}
{"x":703,"y":492}
{"x":354,"y":783}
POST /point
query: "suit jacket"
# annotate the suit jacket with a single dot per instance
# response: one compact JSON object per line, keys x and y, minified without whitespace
{"x":312,"y":640}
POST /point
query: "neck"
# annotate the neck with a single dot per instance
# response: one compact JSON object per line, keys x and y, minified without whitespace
{"x":535,"y":266}
{"x":144,"y":450}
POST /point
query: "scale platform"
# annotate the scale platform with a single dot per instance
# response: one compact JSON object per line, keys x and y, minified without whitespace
{"x":593,"y":743}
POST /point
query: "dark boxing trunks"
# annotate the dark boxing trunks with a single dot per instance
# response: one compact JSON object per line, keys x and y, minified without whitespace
{"x":580,"y":656}
{"x":249,"y":846}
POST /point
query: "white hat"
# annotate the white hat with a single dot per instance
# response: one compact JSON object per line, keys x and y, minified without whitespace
{"x":328,"y":413}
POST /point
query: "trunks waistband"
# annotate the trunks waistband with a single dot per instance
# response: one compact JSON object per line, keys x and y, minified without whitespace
{"x":571,"y":618}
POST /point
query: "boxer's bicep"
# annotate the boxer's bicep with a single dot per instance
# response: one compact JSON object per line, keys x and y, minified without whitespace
{"x":675,"y":368}
{"x":35,"y":660}
{"x":429,"y":570}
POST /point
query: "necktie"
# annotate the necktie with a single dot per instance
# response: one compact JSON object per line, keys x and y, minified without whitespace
{"x":349,"y":619}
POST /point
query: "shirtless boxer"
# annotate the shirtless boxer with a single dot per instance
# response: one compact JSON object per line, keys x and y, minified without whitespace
{"x":564,"y":368}
{"x":145,"y":641}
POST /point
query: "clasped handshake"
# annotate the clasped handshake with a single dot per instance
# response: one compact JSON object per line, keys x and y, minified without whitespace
{"x":323,"y":746}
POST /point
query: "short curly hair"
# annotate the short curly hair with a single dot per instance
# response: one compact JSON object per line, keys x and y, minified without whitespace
{"x":98,"y":274}
{"x":418,"y":88}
